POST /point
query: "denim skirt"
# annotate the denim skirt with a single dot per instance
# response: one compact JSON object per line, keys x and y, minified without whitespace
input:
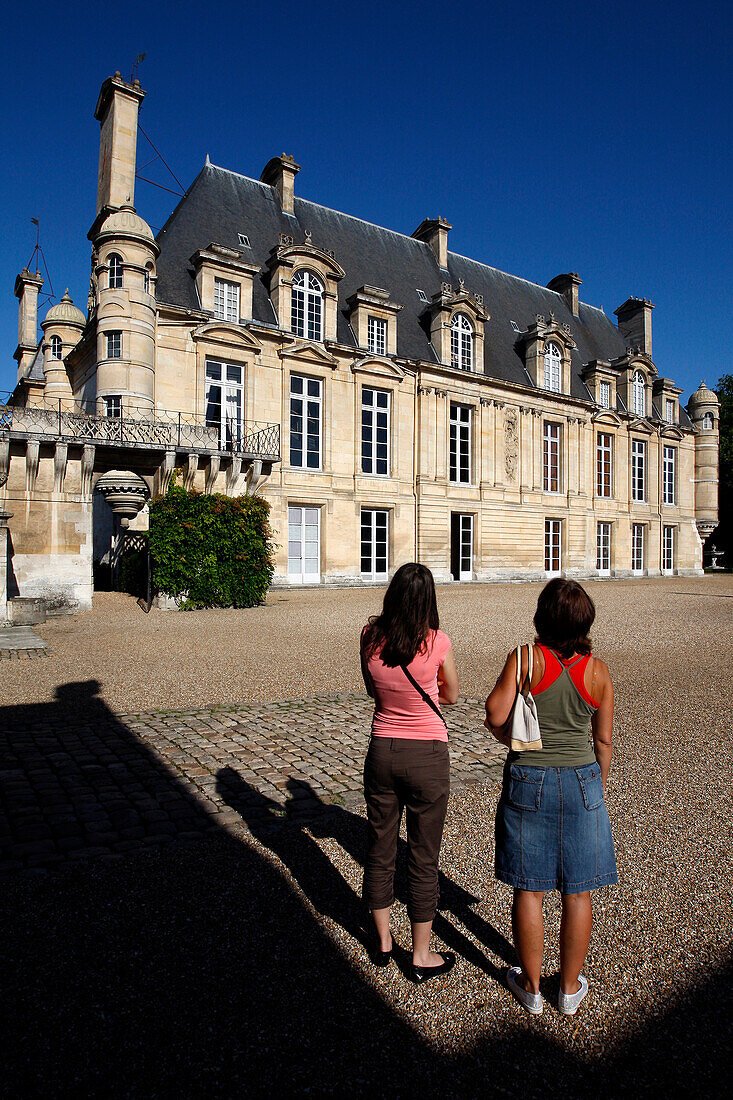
{"x":552,"y":830}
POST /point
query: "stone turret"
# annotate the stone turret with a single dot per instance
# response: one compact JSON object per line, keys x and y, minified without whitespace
{"x":27,"y":286}
{"x":704,"y":410}
{"x":62,"y":329}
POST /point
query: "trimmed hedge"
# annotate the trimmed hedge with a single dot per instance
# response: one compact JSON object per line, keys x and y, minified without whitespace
{"x":216,"y":551}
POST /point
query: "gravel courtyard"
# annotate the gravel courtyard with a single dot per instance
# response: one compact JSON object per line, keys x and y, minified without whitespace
{"x":233,"y":964}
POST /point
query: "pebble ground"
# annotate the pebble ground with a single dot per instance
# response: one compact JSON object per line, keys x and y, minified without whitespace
{"x":234,"y":964}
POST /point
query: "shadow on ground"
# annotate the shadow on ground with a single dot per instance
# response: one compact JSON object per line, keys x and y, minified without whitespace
{"x":150,"y":967}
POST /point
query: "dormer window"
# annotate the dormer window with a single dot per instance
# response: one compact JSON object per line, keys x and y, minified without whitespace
{"x":553,"y":368}
{"x":56,"y":350}
{"x":604,"y":395}
{"x":461,"y":342}
{"x":115,"y":271}
{"x":377,"y":335}
{"x":669,"y":411}
{"x":226,"y":300}
{"x":638,"y":394}
{"x":306,"y":306}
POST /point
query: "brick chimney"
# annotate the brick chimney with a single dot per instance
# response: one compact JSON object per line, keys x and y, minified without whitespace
{"x":27,"y":285}
{"x":280,"y":173}
{"x":434,"y":231}
{"x":567,"y":285}
{"x":117,"y":110}
{"x":635,"y":323}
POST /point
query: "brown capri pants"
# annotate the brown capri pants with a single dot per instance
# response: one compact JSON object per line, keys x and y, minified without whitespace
{"x":401,"y":773}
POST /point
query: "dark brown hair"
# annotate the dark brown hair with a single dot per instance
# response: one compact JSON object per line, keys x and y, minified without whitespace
{"x":409,"y":613}
{"x":564,"y":615}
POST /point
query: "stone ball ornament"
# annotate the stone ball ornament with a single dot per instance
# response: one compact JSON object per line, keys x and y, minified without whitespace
{"x":125,"y":492}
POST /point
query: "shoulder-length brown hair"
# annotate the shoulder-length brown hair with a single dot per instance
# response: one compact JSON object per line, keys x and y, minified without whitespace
{"x":564,"y":616}
{"x":409,"y":613}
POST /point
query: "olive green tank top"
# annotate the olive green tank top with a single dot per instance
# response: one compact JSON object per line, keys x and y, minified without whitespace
{"x":564,"y":717}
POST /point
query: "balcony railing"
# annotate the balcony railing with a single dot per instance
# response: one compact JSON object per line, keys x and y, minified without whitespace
{"x":137,"y":426}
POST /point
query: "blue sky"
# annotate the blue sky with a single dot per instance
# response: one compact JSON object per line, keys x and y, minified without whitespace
{"x":553,"y":136}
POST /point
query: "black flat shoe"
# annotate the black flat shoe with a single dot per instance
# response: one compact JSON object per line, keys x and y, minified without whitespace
{"x":419,"y":974}
{"x":380,"y":958}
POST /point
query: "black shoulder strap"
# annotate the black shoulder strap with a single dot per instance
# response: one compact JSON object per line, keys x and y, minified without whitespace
{"x":424,"y":694}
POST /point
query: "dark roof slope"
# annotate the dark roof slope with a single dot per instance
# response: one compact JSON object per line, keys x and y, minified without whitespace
{"x":220,"y":205}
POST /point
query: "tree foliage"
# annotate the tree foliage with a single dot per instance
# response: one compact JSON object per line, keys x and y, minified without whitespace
{"x":723,"y":534}
{"x":213,"y":550}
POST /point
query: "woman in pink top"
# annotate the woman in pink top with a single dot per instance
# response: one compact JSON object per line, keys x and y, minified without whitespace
{"x":408,"y":669}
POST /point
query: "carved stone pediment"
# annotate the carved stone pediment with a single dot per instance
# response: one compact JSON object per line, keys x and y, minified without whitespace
{"x":307,"y":352}
{"x":287,"y":255}
{"x":670,"y":431}
{"x":228,"y":335}
{"x":634,"y":358}
{"x":641,"y":426}
{"x":606,"y":416}
{"x":376,"y":365}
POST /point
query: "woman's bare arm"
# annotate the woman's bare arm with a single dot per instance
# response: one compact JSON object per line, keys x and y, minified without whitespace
{"x":448,"y":679}
{"x":601,"y":690}
{"x":501,"y":699}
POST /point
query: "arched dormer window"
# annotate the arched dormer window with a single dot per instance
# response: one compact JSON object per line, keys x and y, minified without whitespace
{"x":56,"y":350}
{"x":553,"y":368}
{"x":638,"y":394}
{"x":115,"y":271}
{"x":461,"y":342}
{"x":306,"y":305}
{"x":707,"y":422}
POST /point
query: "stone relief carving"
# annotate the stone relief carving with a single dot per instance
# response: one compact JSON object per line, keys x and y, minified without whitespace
{"x":511,"y":444}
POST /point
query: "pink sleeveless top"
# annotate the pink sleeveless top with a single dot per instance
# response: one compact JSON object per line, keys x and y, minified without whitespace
{"x":399,"y":709}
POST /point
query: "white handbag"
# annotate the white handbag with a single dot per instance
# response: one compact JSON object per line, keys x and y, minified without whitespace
{"x":525,"y":726}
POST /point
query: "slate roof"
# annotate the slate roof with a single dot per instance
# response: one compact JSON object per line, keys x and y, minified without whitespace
{"x":219,"y":205}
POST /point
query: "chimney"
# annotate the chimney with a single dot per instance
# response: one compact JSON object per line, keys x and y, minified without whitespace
{"x":434,"y":231}
{"x":116,"y":110}
{"x":27,"y":285}
{"x":280,"y":173}
{"x":567,"y":285}
{"x":635,"y":323}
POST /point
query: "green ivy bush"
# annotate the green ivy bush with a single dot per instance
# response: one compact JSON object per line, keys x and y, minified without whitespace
{"x":215,"y":551}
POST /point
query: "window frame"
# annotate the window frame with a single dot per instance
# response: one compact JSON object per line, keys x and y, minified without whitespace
{"x":669,"y":475}
{"x":604,"y":388}
{"x":553,"y":367}
{"x":708,"y":422}
{"x":669,"y":410}
{"x":603,"y":548}
{"x":114,"y":344}
{"x":462,"y":334}
{"x":229,"y":429}
{"x":553,"y":544}
{"x":638,"y":394}
{"x":638,"y":471}
{"x":460,"y":458}
{"x":376,"y":334}
{"x":113,"y":406}
{"x":115,"y":271}
{"x":551,"y":456}
{"x":668,"y":548}
{"x":305,"y":398}
{"x":371,"y":411}
{"x":305,"y":512}
{"x":370,"y":524}
{"x":57,"y":348}
{"x":307,"y":305}
{"x":604,"y":465}
{"x":638,"y":548}
{"x":227,"y":297}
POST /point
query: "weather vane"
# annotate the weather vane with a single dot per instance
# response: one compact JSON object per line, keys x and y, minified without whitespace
{"x":138,"y":61}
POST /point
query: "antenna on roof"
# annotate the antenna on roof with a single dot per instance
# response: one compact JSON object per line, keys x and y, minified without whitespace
{"x":38,"y":251}
{"x":138,"y":61}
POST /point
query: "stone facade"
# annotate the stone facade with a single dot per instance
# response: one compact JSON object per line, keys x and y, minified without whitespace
{"x":489,"y":427}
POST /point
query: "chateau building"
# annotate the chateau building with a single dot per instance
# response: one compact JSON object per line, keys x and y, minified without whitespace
{"x":391,"y":399}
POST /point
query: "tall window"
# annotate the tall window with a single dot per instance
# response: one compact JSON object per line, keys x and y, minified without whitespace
{"x":638,"y":470}
{"x":668,"y":475}
{"x":374,"y":543}
{"x":551,"y":458}
{"x":604,"y":465}
{"x":115,"y":271}
{"x":306,"y":306}
{"x":304,"y":544}
{"x":461,"y":342}
{"x":552,"y":545}
{"x":553,"y":365}
{"x":669,"y":411}
{"x":603,"y":548}
{"x":225,"y":401}
{"x":114,"y":345}
{"x":377,"y":335}
{"x":113,"y":406}
{"x":667,"y":549}
{"x":146,"y":280}
{"x":707,"y":422}
{"x":375,"y":432}
{"x":226,"y":300}
{"x":305,"y":422}
{"x":460,"y":444}
{"x":461,"y":547}
{"x":637,"y":548}
{"x":56,"y":349}
{"x":604,"y":395}
{"x":638,"y":393}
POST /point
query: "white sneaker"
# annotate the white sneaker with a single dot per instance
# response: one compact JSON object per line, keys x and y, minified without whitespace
{"x":531,"y":1002}
{"x":568,"y":1003}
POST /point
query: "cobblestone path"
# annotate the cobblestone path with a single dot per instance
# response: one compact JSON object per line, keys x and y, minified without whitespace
{"x":78,"y":781}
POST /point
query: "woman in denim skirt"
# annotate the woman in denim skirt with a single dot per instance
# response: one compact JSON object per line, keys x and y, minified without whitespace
{"x":552,"y":827}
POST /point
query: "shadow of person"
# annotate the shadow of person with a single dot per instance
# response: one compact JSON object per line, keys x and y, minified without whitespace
{"x":324,"y":885}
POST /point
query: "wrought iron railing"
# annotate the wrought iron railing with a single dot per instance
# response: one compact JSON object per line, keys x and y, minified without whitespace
{"x":135,"y":425}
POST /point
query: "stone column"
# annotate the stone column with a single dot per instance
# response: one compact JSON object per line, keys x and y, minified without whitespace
{"x":4,"y":517}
